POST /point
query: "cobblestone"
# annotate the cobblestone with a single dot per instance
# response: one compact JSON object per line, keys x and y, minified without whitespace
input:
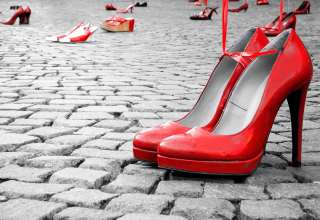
{"x":90,"y":198}
{"x":7,"y":158}
{"x":203,"y":208}
{"x":54,"y":162}
{"x":139,"y":203}
{"x":43,"y":149}
{"x":80,"y":177}
{"x":24,"y":173}
{"x":294,"y":190}
{"x":29,"y":209}
{"x":131,"y":184}
{"x":150,"y":216}
{"x":40,"y":191}
{"x":270,"y":209}
{"x":10,"y":142}
{"x":79,"y":213}
{"x":180,"y":188}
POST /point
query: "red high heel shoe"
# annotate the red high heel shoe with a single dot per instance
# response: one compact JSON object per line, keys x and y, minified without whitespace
{"x":205,"y":14}
{"x":27,"y":15}
{"x":110,"y":7}
{"x":126,"y":10}
{"x":213,"y":97}
{"x":304,"y":8}
{"x":262,"y":2}
{"x":284,"y":22}
{"x":201,"y":2}
{"x":237,"y":143}
{"x":244,"y":7}
{"x":20,"y":13}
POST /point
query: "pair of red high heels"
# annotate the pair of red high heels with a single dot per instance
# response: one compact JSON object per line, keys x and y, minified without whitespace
{"x":111,"y":7}
{"x":22,"y":14}
{"x":227,"y":129}
{"x":304,"y":8}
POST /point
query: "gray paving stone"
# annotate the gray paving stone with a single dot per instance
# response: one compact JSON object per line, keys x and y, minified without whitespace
{"x":116,"y":125}
{"x":180,"y":188}
{"x":294,"y":190}
{"x":79,"y":213}
{"x":39,"y":191}
{"x":26,"y":209}
{"x":119,"y":136}
{"x":150,"y":216}
{"x":72,"y":123}
{"x":123,"y":156}
{"x":90,"y":198}
{"x":54,"y":162}
{"x":111,"y":166}
{"x":91,"y":116}
{"x":53,"y":108}
{"x":127,"y":146}
{"x":131,"y":184}
{"x":26,"y":174}
{"x":7,"y":158}
{"x":264,"y":176}
{"x":139,"y":115}
{"x":306,"y":173}
{"x":203,"y":208}
{"x":49,"y":115}
{"x":43,"y":149}
{"x":312,"y":206}
{"x":92,"y":131}
{"x":270,"y":209}
{"x":234,"y":192}
{"x":103,"y":144}
{"x":10,"y":142}
{"x":80,"y":177}
{"x":3,"y":199}
{"x":269,"y":160}
{"x":14,"y":114}
{"x":15,"y":128}
{"x":139,"y":203}
{"x":50,"y":132}
{"x":117,"y":108}
{"x":31,"y":122}
{"x":140,"y":169}
{"x":73,"y":140}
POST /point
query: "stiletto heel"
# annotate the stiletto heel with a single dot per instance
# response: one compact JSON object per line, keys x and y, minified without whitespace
{"x":126,"y":10}
{"x":210,"y":104}
{"x":296,"y":101}
{"x":27,"y":13}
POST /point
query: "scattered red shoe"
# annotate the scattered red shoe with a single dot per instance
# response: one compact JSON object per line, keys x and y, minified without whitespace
{"x":304,"y":8}
{"x":110,"y":7}
{"x":118,"y":24}
{"x":262,"y":2}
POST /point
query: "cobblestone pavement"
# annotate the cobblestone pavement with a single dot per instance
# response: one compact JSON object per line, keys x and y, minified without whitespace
{"x":68,"y":114}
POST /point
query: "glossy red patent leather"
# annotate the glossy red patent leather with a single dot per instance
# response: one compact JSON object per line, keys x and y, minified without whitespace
{"x":262,"y":2}
{"x":202,"y":151}
{"x":146,"y":142}
{"x":282,"y":22}
{"x":304,"y":8}
{"x":19,"y":13}
{"x":244,"y":7}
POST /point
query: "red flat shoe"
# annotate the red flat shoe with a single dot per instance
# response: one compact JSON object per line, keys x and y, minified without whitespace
{"x":110,"y":7}
{"x":19,"y":13}
{"x":304,"y":8}
{"x":118,"y":24}
{"x":205,"y":14}
{"x":212,"y":99}
{"x":244,"y":7}
{"x":262,"y":2}
{"x":236,"y":145}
